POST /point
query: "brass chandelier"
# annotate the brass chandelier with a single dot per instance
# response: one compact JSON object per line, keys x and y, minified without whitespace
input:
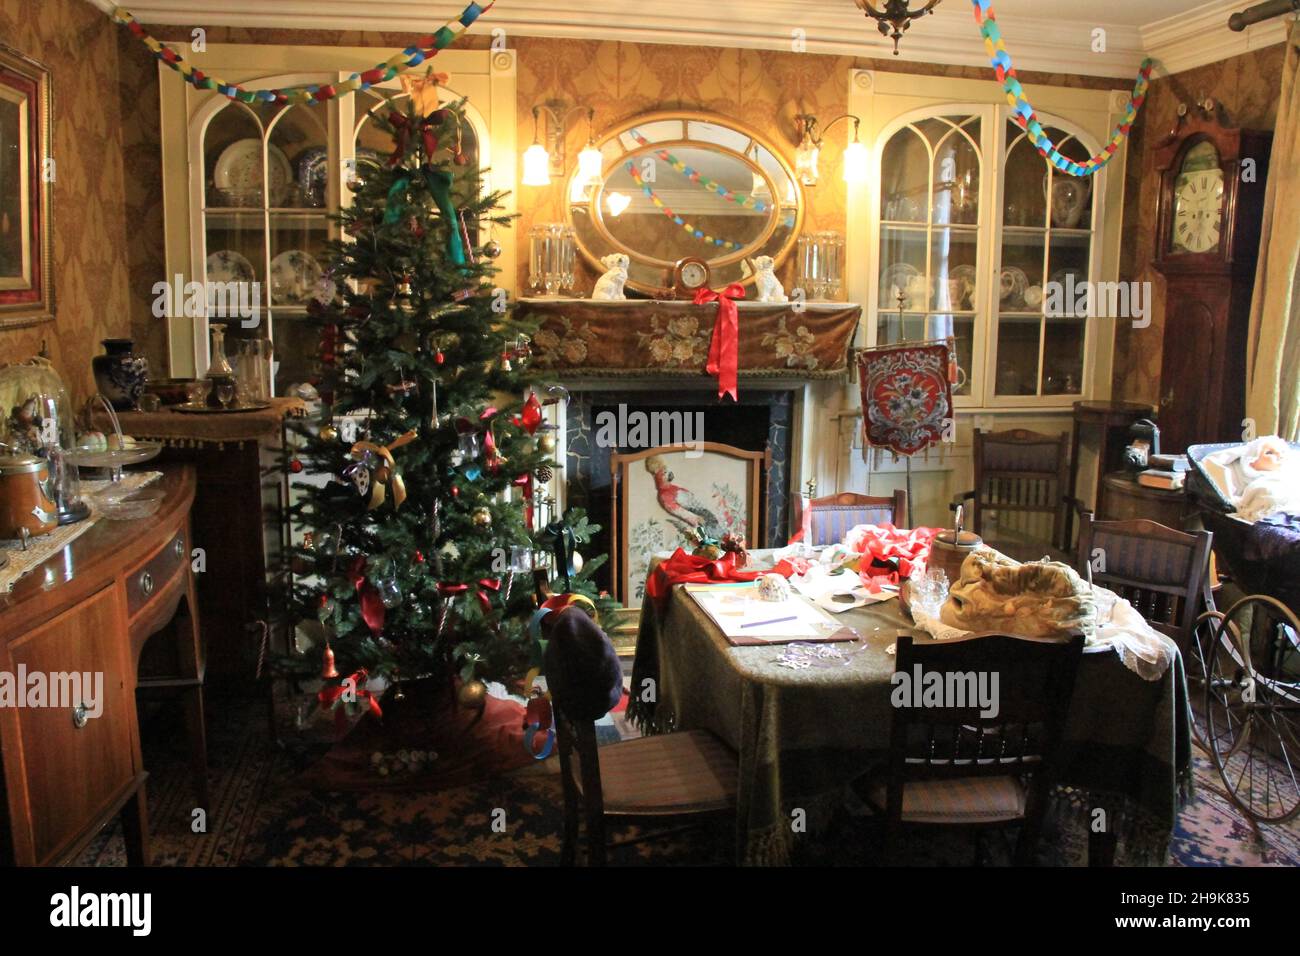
{"x":896,"y":15}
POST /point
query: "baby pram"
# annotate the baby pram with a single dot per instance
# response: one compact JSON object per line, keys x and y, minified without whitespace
{"x":1248,"y":657}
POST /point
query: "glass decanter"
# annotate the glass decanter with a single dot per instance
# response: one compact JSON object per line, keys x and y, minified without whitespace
{"x":219,"y":369}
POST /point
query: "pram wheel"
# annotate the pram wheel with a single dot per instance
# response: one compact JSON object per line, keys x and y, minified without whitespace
{"x":1205,"y":635}
{"x":1251,"y":657}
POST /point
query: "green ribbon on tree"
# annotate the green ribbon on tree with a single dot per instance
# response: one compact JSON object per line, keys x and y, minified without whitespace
{"x":395,"y":207}
{"x":439,"y":184}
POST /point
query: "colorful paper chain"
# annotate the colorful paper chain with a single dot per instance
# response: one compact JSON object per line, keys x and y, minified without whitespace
{"x":695,"y":176}
{"x":426,"y":48}
{"x":654,"y":198}
{"x":1025,"y":116}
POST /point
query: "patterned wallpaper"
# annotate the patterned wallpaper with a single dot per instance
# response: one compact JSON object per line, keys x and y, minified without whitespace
{"x":763,"y":89}
{"x":78,"y":45}
{"x":1247,"y":87}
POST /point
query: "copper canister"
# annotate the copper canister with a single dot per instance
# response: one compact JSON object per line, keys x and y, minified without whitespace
{"x":25,"y":503}
{"x":950,"y":548}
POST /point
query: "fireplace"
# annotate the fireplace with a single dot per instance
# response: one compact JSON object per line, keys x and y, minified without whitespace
{"x":601,"y":421}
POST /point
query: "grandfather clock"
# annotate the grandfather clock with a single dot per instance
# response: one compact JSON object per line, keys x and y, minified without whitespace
{"x":1210,"y":210}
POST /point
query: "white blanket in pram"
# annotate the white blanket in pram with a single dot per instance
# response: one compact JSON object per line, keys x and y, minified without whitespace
{"x":1256,"y":494}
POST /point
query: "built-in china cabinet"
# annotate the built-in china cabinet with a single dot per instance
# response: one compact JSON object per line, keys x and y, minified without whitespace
{"x":251,"y":190}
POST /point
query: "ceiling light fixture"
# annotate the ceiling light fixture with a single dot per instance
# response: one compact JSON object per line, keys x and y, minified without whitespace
{"x":897,"y":14}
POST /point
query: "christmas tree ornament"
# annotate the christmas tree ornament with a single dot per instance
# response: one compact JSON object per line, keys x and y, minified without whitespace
{"x":546,"y":440}
{"x":295,"y":466}
{"x":545,"y":474}
{"x":328,"y":670}
{"x":539,"y":718}
{"x":472,"y":694}
{"x":455,"y":491}
{"x":481,"y":518}
{"x":492,"y":249}
{"x":530,"y":416}
{"x":575,"y":562}
{"x":390,"y":591}
{"x":374,"y":469}
{"x":448,"y":593}
{"x":505,"y":362}
{"x":423,"y":91}
{"x":464,"y":235}
{"x":414,"y":227}
{"x":328,"y":433}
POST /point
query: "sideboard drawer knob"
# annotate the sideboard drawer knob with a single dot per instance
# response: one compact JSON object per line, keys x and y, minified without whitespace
{"x":80,"y":716}
{"x":146,"y":583}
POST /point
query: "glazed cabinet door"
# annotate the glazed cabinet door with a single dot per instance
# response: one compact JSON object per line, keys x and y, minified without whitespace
{"x":75,"y":752}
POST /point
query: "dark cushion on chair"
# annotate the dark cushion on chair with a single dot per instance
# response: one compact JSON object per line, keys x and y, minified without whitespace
{"x":583,"y":672}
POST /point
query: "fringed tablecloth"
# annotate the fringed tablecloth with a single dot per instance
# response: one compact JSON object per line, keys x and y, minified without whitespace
{"x":41,"y":549}
{"x":188,"y":430}
{"x":802,"y":736}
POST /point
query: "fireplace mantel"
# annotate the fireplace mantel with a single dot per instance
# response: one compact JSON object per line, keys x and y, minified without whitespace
{"x":651,"y":339}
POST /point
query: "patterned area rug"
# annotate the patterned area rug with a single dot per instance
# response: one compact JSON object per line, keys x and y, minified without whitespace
{"x":261,"y":816}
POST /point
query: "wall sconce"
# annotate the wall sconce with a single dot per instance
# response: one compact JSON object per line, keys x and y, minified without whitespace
{"x":897,"y":14}
{"x":808,"y":153}
{"x":543,"y":162}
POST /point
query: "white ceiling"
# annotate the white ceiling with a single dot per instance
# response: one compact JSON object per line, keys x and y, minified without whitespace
{"x":1047,"y":35}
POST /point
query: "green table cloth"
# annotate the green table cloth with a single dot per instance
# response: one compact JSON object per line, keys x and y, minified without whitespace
{"x":802,"y":735}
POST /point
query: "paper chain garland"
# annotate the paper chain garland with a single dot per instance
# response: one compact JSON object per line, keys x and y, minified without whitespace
{"x":424,"y":49}
{"x":1024,"y":114}
{"x":695,"y":176}
{"x":689,"y":227}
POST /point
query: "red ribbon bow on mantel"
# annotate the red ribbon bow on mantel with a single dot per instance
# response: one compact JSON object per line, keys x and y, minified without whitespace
{"x":402,"y":123}
{"x":724,"y":349}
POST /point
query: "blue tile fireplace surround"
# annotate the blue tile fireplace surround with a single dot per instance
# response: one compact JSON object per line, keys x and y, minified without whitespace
{"x":760,"y":420}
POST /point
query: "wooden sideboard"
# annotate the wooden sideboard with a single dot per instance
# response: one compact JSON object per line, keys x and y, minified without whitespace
{"x":90,"y":609}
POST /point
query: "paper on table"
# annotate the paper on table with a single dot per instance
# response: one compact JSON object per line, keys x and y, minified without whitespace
{"x":829,"y":591}
{"x":745,"y":619}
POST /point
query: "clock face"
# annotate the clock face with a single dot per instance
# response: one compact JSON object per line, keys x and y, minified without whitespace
{"x":1198,"y":202}
{"x":694,"y":275}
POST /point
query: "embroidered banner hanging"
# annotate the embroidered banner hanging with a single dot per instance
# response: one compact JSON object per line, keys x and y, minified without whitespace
{"x":906,"y":396}
{"x":1025,"y":116}
{"x":422,"y":50}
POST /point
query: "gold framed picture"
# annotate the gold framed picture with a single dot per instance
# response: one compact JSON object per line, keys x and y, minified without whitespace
{"x":26,"y":175}
{"x":663,"y":496}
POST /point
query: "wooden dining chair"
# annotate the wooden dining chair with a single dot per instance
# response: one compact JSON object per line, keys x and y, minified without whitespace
{"x":1163,"y":573}
{"x":669,"y":781}
{"x":952,"y":766}
{"x":1022,"y":476}
{"x":833,"y":516}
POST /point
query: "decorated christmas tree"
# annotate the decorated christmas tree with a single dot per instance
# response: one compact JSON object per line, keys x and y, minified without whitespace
{"x":431,"y":433}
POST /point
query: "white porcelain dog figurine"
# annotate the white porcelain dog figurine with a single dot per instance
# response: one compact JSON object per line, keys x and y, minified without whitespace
{"x":609,"y":287}
{"x":767,"y":285}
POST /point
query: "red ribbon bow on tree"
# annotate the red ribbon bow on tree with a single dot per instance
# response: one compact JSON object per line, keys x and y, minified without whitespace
{"x":372,"y":605}
{"x":351,"y":691}
{"x":484,"y":586}
{"x":402,"y":123}
{"x":724,"y":349}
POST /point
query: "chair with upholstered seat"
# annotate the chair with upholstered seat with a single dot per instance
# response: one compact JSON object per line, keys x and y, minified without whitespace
{"x":669,"y":778}
{"x":830,"y":518}
{"x":950,"y":764}
{"x":1163,"y":573}
{"x":1020,"y":482}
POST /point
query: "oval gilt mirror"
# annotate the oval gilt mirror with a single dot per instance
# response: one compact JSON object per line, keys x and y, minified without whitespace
{"x":686,"y":185}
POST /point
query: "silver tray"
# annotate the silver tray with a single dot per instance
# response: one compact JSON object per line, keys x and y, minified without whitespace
{"x":205,"y":410}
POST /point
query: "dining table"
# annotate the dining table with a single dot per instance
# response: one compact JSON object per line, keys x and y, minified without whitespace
{"x":803,"y":735}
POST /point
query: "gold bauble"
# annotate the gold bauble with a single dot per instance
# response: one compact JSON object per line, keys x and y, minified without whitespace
{"x":472,"y":694}
{"x":481,"y":518}
{"x":329,"y":433}
{"x":546,"y":443}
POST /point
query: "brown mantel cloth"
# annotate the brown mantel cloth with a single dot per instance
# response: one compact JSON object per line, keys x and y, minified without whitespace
{"x":640,"y":337}
{"x":187,"y":429}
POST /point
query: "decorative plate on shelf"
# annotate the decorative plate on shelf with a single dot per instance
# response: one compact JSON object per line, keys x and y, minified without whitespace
{"x":907,"y":278}
{"x":1069,"y":197}
{"x":313,"y":175}
{"x":295,"y":278}
{"x":229,"y":266}
{"x":189,"y":409}
{"x":239,"y":170}
{"x":1012,"y":285}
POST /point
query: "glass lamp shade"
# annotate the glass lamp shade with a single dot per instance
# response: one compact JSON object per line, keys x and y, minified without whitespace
{"x":590,"y":165}
{"x":805,"y":162}
{"x":855,"y":162}
{"x":537,"y":166}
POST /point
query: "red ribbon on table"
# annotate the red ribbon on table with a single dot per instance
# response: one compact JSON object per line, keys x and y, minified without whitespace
{"x":484,"y":598}
{"x":402,"y":123}
{"x":372,"y":605}
{"x":724,"y":349}
{"x":906,"y":550}
{"x":683,"y":568}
